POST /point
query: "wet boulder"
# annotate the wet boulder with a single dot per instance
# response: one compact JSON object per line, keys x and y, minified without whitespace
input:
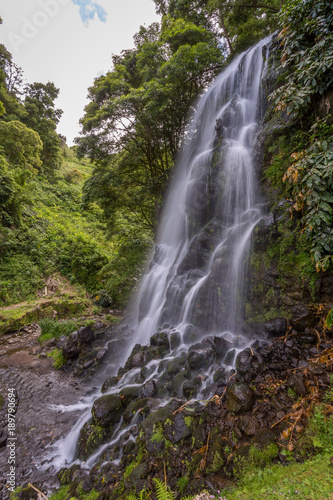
{"x":148,"y":390}
{"x":200,"y":358}
{"x":161,"y":341}
{"x":302,"y":318}
{"x":297,"y":382}
{"x":244,"y":361}
{"x":85,"y":335}
{"x":239,"y":398}
{"x":109,"y":382}
{"x":191,"y":387}
{"x":107,"y":410}
{"x":178,"y":427}
{"x":71,"y":348}
{"x":276,"y":327}
{"x":129,"y":394}
{"x":136,"y":360}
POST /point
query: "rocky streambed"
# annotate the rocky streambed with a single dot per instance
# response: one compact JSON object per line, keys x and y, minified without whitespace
{"x":184,"y":414}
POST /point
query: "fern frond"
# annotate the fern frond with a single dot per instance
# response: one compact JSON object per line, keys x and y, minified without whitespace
{"x":162,"y":491}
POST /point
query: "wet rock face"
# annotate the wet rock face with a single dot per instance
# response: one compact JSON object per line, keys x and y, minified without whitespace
{"x":177,"y":428}
{"x":239,"y":398}
{"x":107,"y":410}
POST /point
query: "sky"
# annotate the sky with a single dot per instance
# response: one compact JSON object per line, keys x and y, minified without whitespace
{"x":70,"y":42}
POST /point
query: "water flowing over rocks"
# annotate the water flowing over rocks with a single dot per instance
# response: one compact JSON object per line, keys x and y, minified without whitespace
{"x":212,"y":361}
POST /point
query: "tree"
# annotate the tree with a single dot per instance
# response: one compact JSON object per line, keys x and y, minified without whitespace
{"x":19,"y":159}
{"x":43,"y":117}
{"x":11,"y":86}
{"x":240,"y":23}
{"x":21,"y":146}
{"x":136,"y":120}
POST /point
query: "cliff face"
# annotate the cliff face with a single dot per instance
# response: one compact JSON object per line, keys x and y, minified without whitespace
{"x":283,"y":281}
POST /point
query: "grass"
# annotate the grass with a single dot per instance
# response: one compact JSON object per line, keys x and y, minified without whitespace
{"x":58,"y":358}
{"x":310,"y":480}
{"x":55,"y":329}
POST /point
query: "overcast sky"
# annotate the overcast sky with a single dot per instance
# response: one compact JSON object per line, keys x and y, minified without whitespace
{"x":70,"y":42}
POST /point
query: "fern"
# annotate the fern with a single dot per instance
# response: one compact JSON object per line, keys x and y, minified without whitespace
{"x":162,"y":491}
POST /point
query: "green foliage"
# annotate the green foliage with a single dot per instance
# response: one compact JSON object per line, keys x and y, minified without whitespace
{"x":53,"y":329}
{"x":22,"y":147}
{"x":136,"y":119}
{"x":312,"y":178}
{"x":42,"y":116}
{"x":182,"y":483}
{"x":307,"y":61}
{"x":58,"y":358}
{"x":63,"y":493}
{"x":307,"y":54}
{"x":20,"y":278}
{"x":329,"y":319}
{"x":162,"y":491}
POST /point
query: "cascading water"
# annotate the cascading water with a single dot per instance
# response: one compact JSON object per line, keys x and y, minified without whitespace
{"x":196,"y":277}
{"x":196,"y":281}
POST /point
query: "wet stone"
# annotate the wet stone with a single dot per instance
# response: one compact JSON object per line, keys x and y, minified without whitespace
{"x":85,"y":335}
{"x":109,"y":382}
{"x":177,"y":429}
{"x":148,"y":390}
{"x":239,"y":398}
{"x":200,"y":358}
{"x":244,"y":361}
{"x":302,"y":318}
{"x":175,"y":340}
{"x":129,"y":394}
{"x":297,"y":382}
{"x":71,"y":348}
{"x":276,"y":327}
{"x":107,"y":410}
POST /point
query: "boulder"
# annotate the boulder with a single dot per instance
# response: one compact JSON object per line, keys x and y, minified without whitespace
{"x":85,"y":335}
{"x":302,"y":318}
{"x":71,"y":348}
{"x":200,"y":358}
{"x":239,"y":398}
{"x":107,"y":410}
{"x":244,"y":361}
{"x":178,"y":428}
{"x":276,"y":327}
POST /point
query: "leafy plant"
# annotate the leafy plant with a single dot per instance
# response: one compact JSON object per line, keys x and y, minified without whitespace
{"x":58,"y":358}
{"x":54,"y":329}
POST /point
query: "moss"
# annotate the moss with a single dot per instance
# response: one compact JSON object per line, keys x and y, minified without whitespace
{"x":188,"y":421}
{"x":1,"y":402}
{"x":158,"y":435}
{"x":14,"y":318}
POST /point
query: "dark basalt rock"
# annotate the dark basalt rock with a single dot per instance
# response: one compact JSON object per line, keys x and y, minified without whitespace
{"x":107,"y":410}
{"x":148,"y":390}
{"x":177,"y":429}
{"x":239,"y":398}
{"x":71,"y":349}
{"x":297,"y":382}
{"x":199,"y":358}
{"x":302,"y":318}
{"x":276,"y":327}
{"x":85,"y":335}
{"x":109,"y":382}
{"x":244,"y":361}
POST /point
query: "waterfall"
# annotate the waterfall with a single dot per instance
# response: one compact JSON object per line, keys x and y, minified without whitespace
{"x":195,"y":283}
{"x":196,"y":278}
